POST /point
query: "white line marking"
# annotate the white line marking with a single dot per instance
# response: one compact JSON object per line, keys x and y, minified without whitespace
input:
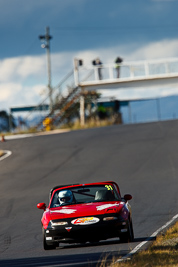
{"x":148,"y":239}
{"x":7,"y":154}
{"x":48,"y":264}
{"x":18,"y":136}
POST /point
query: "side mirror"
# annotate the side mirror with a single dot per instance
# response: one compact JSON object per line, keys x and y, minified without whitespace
{"x":127,"y":197}
{"x":41,"y":206}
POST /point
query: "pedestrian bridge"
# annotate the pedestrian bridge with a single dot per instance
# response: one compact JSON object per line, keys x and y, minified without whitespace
{"x":140,"y":74}
{"x":152,"y":74}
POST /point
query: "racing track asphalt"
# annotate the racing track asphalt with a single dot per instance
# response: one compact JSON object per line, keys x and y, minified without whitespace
{"x":141,"y":158}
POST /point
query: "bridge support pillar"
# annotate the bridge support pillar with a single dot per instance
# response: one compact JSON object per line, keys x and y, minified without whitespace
{"x":82,"y":110}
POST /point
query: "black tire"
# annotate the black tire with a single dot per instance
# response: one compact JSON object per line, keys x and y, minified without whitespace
{"x":132,"y":231}
{"x":129,"y":235}
{"x":45,"y":245}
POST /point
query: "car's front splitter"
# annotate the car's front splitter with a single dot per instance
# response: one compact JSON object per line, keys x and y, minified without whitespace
{"x":79,"y":233}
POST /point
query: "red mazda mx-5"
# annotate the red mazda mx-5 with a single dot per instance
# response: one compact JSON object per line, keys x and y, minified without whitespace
{"x":82,"y":213}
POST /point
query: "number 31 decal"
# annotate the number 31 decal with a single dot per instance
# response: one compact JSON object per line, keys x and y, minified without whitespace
{"x":109,"y":187}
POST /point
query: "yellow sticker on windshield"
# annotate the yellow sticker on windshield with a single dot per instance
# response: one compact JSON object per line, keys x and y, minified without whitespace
{"x":109,"y":187}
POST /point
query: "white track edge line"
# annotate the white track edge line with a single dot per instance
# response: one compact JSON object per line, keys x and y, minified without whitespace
{"x":148,"y":239}
{"x":7,"y":154}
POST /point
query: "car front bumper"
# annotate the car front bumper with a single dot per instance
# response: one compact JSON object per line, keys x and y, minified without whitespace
{"x":71,"y":233}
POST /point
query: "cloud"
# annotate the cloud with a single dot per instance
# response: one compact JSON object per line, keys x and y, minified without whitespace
{"x":16,"y":95}
{"x":7,"y":90}
{"x":155,"y":50}
{"x":21,"y":67}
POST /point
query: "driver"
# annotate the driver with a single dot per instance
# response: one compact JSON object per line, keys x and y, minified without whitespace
{"x":65,"y":197}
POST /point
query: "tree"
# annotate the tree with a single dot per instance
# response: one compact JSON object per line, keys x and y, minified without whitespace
{"x":4,"y":121}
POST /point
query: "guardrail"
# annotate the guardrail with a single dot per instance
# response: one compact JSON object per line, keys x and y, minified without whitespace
{"x":130,"y":70}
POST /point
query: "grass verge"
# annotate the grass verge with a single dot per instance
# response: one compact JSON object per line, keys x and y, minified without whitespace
{"x":162,"y":252}
{"x":92,"y":123}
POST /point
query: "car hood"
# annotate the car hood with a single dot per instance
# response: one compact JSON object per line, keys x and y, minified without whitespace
{"x":87,"y":209}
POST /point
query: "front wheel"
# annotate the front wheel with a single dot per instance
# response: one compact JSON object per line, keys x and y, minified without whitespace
{"x":129,"y":235}
{"x":45,"y":245}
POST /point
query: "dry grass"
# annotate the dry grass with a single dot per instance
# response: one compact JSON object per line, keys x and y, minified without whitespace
{"x":163,"y":252}
{"x":92,"y":123}
{"x":20,"y":131}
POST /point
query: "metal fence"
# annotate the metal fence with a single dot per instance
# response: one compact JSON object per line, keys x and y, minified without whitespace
{"x":150,"y":110}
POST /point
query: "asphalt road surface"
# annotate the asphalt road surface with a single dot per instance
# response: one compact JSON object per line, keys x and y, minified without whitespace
{"x":141,"y":158}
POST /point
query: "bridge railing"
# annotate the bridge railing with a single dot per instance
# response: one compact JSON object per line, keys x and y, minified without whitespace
{"x":130,"y":70}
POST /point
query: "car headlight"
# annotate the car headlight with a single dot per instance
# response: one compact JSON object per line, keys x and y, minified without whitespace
{"x":58,"y":223}
{"x":109,"y":218}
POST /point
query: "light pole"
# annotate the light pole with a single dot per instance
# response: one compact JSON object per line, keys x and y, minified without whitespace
{"x":77,"y":63}
{"x":46,"y":44}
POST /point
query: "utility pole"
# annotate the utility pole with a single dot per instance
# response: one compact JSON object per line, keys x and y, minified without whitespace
{"x":46,"y":44}
{"x":77,"y":63}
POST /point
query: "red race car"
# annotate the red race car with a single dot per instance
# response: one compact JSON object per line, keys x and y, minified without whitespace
{"x":81,"y":213}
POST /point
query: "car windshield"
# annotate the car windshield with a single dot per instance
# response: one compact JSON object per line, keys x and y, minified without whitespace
{"x":85,"y":194}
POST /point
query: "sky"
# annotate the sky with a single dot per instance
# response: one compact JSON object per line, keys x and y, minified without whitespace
{"x":134,"y":30}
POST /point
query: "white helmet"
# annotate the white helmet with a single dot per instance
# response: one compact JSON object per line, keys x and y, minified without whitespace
{"x":65,"y":197}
